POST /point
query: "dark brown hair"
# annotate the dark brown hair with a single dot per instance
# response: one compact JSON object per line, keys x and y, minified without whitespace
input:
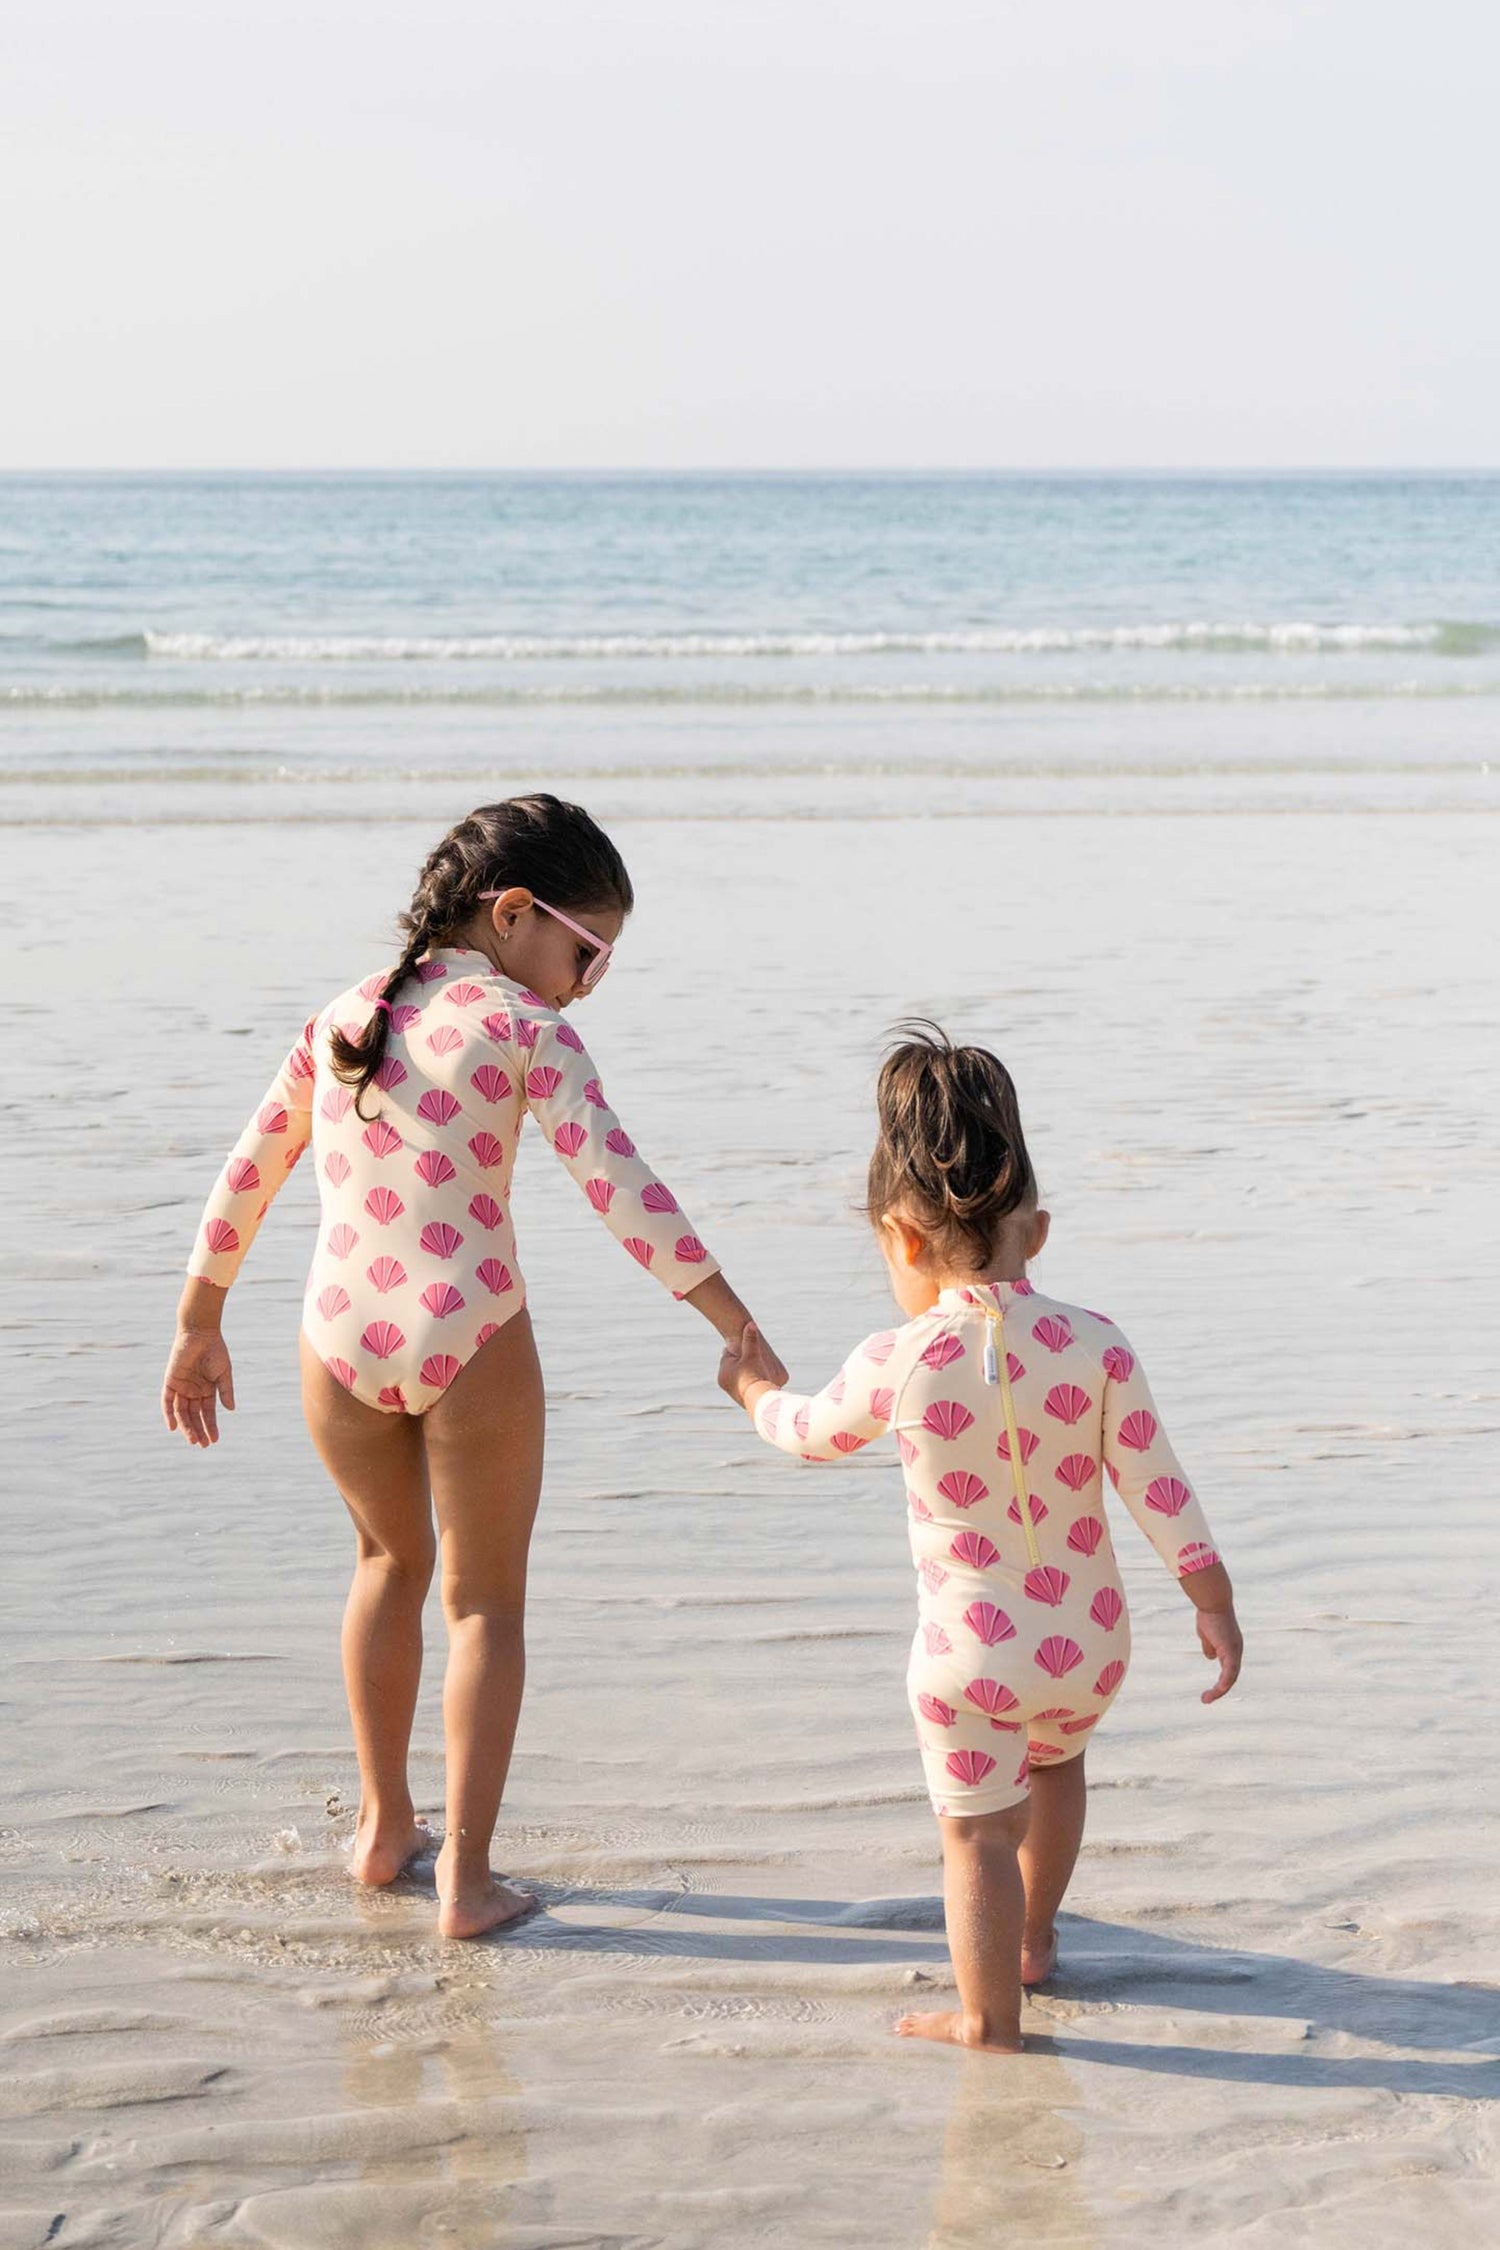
{"x":950,"y":1150}
{"x":549,"y":847}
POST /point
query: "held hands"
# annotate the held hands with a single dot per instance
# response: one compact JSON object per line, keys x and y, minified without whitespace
{"x":1223,"y":1644}
{"x":198,"y":1381}
{"x":748,"y":1367}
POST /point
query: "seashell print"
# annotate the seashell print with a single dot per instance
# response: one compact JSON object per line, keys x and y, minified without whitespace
{"x":373,"y":987}
{"x":643,"y":1252}
{"x":569,"y":1139}
{"x":619,"y":1143}
{"x":1028,"y":1440}
{"x":963,"y":1488}
{"x":1054,"y":1332}
{"x":1015,"y":1368}
{"x":689,"y":1251}
{"x":601,"y":1193}
{"x":221,"y":1237}
{"x":1049,"y":1718}
{"x":431,"y":972}
{"x":441,"y":1299}
{"x":934,"y":1708}
{"x":1110,"y":1677}
{"x":271,"y":1118}
{"x":1043,"y":1753}
{"x":1107,"y":1608}
{"x":936,"y":1641}
{"x":438,"y":1106}
{"x":241,"y":1175}
{"x":385,"y":1274}
{"x":1065,"y":1402}
{"x":490,"y":1328}
{"x":390,"y":1394}
{"x":1076,"y":1470}
{"x":1138,"y":1430}
{"x":435,"y":1168}
{"x":1119,"y":1364}
{"x":881,"y":1402}
{"x":494,"y":1275}
{"x":947,"y":1418}
{"x":342,"y":1372}
{"x":332,"y":1301}
{"x":336,"y":1104}
{"x":1168,"y":1496}
{"x":990,"y":1697}
{"x":383,"y":1205}
{"x":920,"y":1510}
{"x":336,"y":1167}
{"x":973,"y":1549}
{"x":491,"y":1081}
{"x":464,"y":995}
{"x":1085,"y":1535}
{"x":566,"y":1036}
{"x":845,"y":1441}
{"x":438,"y":1371}
{"x":906,"y":1447}
{"x":525,"y":1033}
{"x":655,"y":1197}
{"x":486,"y":1212}
{"x":498,"y":1026}
{"x":932,"y":1574}
{"x":593,"y":1094}
{"x":291,"y":1160}
{"x":970,"y":1766}
{"x":942,"y":1352}
{"x":834,"y":1391}
{"x":390,"y":1071}
{"x":1037,"y":1506}
{"x":440,"y":1240}
{"x":1023,"y":1288}
{"x":341,"y":1240}
{"x":878,"y":1349}
{"x":1080,"y":1726}
{"x":542,"y":1083}
{"x":382,"y":1337}
{"x":300,"y":1063}
{"x":988,"y":1623}
{"x":404,"y":1017}
{"x":1047,"y":1584}
{"x":802,"y":1421}
{"x":486,"y":1151}
{"x":381,"y":1139}
{"x":1196,"y":1555}
{"x":1058,"y":1655}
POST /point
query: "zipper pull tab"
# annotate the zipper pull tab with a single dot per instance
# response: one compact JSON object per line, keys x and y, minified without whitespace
{"x":991,"y":1357}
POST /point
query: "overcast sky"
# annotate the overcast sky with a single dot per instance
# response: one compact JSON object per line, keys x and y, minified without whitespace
{"x":748,"y":232}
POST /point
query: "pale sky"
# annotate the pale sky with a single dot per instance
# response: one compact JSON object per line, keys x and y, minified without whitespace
{"x":752,"y":233}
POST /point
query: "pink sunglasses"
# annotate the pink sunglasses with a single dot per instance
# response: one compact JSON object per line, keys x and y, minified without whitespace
{"x":601,"y":949}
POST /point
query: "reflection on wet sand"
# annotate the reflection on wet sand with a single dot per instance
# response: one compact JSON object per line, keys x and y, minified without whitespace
{"x":1012,"y":2154}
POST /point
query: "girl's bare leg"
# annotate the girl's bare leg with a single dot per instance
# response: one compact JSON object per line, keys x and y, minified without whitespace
{"x":484,"y":1456}
{"x":1059,"y":1807}
{"x":376,"y":1461}
{"x":985,"y":1906}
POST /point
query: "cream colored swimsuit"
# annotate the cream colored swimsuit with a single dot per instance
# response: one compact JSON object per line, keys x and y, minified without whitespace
{"x":1005,"y":1404}
{"x":416,"y":1266}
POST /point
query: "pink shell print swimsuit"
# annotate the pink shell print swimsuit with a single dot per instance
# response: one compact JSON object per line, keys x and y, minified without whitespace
{"x":1006,"y":1406}
{"x":416,"y":1260}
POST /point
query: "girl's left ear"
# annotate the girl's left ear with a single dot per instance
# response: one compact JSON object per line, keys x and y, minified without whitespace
{"x":904,"y":1243}
{"x":1041,"y":1228}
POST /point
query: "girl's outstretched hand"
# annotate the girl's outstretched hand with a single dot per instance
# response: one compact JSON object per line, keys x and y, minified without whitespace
{"x":199,"y":1379}
{"x":1223,"y":1644}
{"x":749,"y":1364}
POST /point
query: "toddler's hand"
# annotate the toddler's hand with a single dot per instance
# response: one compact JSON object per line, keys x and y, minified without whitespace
{"x":747,"y":1363}
{"x":1223,"y":1644}
{"x":198,"y":1380}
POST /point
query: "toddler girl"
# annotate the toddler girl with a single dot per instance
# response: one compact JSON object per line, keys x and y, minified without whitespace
{"x":1005,"y":1406}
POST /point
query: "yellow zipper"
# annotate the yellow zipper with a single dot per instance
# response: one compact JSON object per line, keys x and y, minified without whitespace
{"x":995,"y":1357}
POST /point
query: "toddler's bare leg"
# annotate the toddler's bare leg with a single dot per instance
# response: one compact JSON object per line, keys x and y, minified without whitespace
{"x":1059,"y":1807}
{"x":985,"y":1906}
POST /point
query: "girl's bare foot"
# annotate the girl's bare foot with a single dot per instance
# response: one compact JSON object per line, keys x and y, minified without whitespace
{"x":955,"y":2029}
{"x":382,"y":1848}
{"x":1038,"y":1958}
{"x":470,"y":1901}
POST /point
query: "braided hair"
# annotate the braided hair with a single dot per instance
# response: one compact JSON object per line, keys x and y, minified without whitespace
{"x":950,"y":1148}
{"x":539,"y":843}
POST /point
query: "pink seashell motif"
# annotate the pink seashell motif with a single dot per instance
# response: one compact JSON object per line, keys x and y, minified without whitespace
{"x":1107,"y":1608}
{"x":922,"y":1512}
{"x":963,"y":1488}
{"x":342,"y":1372}
{"x":932,"y":1574}
{"x":341,"y":1241}
{"x":881,"y":1402}
{"x":1015,"y":1368}
{"x":336,"y":1167}
{"x":655,"y":1197}
{"x":1119,"y":1364}
{"x":292,"y":1158}
{"x":390,"y":1071}
{"x":1065,"y":1402}
{"x":1080,"y":1726}
{"x":486,"y":1212}
{"x":542,"y":1082}
{"x":381,"y":1139}
{"x":440,"y":1240}
{"x":386,"y":1274}
{"x":906,"y":1447}
{"x":441,"y":1299}
{"x":486,"y":1151}
{"x":834,"y":1391}
{"x":990,"y":1624}
{"x":1110,"y":1677}
{"x":845,"y":1441}
{"x":432,"y":972}
{"x":1085,"y":1535}
{"x":934,"y":1708}
{"x":942,"y":1352}
{"x":569,"y":1139}
{"x":936,"y":1641}
{"x":241,"y":1175}
{"x":446,"y":1039}
{"x":498,"y":1026}
{"x":1138,"y":1430}
{"x":390,"y":1394}
{"x":435,"y":1168}
{"x":464,"y":995}
{"x":438,"y":1371}
{"x":973,"y":1548}
{"x":1047,"y":1584}
{"x":300,"y":1061}
{"x":271,"y":1118}
{"x":990,"y":1697}
{"x":221,"y":1237}
{"x":601,"y":1193}
{"x":644,"y":1252}
{"x":1037,"y":1507}
{"x":336,"y":1104}
{"x":1196,"y":1555}
{"x":566,"y":1036}
{"x":333,"y":1301}
{"x":1076,"y":1470}
{"x":438,"y":1106}
{"x":593,"y":1094}
{"x":525,"y":1032}
{"x":1023,"y":1288}
{"x":970,"y":1766}
{"x":1167,"y":1495}
{"x":689,"y":1251}
{"x":382,"y":1337}
{"x":1058,"y":1711}
{"x":490,"y":1328}
{"x":404,"y":1017}
{"x":947,"y":1418}
{"x":1027,"y":1440}
{"x":1058,"y":1655}
{"x":1053,"y":1332}
{"x":491,"y":1081}
{"x":532,"y":999}
{"x":802,"y":1421}
{"x":619,"y":1143}
{"x":878,"y":1349}
{"x":494,"y":1275}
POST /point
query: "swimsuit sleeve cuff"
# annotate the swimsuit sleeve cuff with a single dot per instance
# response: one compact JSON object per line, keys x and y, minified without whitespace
{"x":691,"y":1264}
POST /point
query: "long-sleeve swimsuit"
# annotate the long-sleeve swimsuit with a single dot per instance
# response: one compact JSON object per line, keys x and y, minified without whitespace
{"x":996,"y":1396}
{"x":415,"y":1266}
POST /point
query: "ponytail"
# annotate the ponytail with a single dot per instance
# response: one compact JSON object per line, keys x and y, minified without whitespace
{"x":950,"y":1149}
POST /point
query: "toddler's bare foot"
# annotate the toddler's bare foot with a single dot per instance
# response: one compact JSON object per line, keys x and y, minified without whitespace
{"x":1038,"y":1958}
{"x":382,"y":1848}
{"x":470,"y":1901}
{"x":955,"y":2029}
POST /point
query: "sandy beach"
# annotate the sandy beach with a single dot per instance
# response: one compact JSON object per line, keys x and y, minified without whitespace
{"x":1256,"y":1055}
